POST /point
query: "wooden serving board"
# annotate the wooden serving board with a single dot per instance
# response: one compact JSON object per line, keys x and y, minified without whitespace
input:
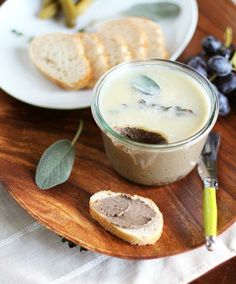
{"x":26,"y":131}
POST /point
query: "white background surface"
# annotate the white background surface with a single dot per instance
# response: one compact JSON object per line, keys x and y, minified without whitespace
{"x":18,"y":76}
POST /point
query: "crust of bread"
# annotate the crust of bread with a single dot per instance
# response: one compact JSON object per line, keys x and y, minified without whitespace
{"x":79,"y":85}
{"x":127,"y":235}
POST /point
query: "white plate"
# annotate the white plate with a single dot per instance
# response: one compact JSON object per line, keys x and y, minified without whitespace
{"x":20,"y":79}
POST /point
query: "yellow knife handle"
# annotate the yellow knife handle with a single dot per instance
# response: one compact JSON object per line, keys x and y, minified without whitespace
{"x":210,"y":216}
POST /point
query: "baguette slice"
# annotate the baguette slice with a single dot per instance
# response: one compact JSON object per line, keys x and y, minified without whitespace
{"x":117,"y":49}
{"x":148,"y":233}
{"x":133,"y":35}
{"x":155,"y":40}
{"x":96,"y":54}
{"x":61,"y":59}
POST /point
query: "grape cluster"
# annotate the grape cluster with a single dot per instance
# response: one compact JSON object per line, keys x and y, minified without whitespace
{"x":217,"y":62}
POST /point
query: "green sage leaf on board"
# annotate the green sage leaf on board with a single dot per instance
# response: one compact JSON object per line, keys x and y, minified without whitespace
{"x":145,"y":85}
{"x":56,"y":163}
{"x":153,"y":11}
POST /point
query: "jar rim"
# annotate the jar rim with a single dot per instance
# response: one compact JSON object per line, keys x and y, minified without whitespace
{"x":161,"y":62}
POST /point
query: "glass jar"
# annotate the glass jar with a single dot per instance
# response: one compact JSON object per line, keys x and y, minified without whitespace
{"x":152,"y":164}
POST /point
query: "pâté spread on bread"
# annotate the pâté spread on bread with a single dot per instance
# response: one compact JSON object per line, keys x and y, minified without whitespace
{"x":124,"y":211}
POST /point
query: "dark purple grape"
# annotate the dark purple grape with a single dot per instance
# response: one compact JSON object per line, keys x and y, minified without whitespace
{"x":211,"y":45}
{"x":226,"y":52}
{"x":198,"y":64}
{"x":224,"y":107}
{"x":219,"y":65}
{"x":226,"y":84}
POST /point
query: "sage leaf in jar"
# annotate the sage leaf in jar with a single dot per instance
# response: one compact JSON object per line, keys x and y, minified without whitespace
{"x":56,"y":163}
{"x":145,"y":85}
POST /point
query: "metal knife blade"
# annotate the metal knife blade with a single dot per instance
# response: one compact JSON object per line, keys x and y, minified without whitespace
{"x":208,"y":172}
{"x":207,"y":162}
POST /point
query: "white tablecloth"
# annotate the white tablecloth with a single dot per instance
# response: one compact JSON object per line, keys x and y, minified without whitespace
{"x":29,"y":253}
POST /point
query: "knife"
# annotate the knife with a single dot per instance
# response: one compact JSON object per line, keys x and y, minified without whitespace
{"x":208,"y":172}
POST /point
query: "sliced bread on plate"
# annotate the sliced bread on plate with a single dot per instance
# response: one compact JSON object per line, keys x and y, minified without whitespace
{"x":61,"y":58}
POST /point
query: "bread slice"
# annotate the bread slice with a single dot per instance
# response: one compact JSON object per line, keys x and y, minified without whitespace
{"x":117,"y":49}
{"x":96,"y":54}
{"x":134,"y":36}
{"x":61,"y":58}
{"x":155,"y":47}
{"x":148,"y":233}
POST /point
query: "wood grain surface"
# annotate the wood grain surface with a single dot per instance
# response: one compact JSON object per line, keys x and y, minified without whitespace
{"x":26,"y":131}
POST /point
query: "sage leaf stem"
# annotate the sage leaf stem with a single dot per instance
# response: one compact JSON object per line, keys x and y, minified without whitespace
{"x":77,"y":135}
